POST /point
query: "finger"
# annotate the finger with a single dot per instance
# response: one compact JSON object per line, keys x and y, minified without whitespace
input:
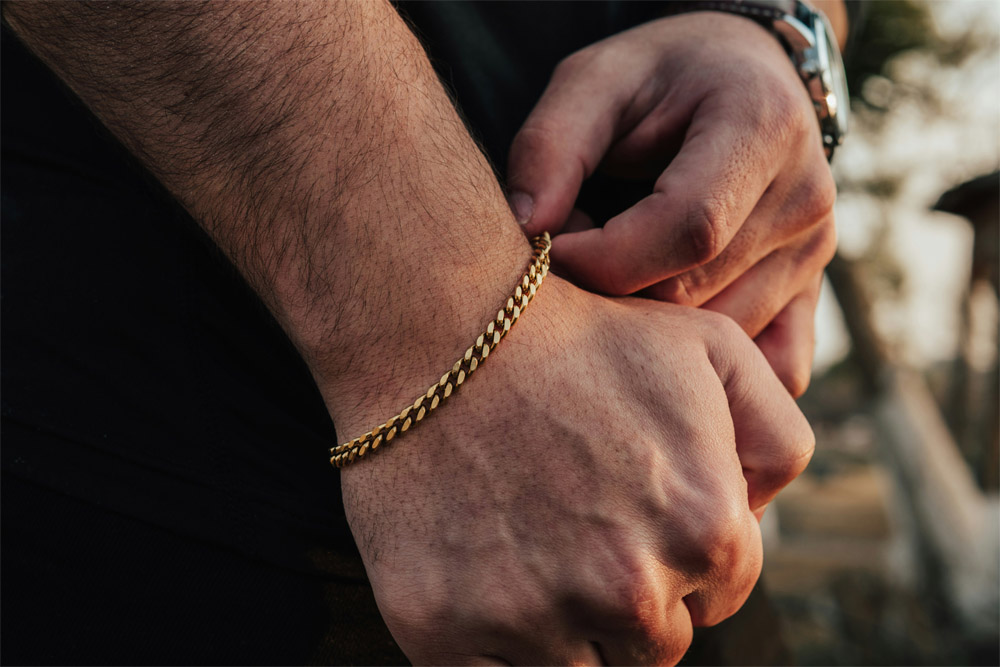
{"x":773,"y":439}
{"x":549,"y":651}
{"x":731,"y":579}
{"x":563,"y":140}
{"x":578,"y":221}
{"x":549,"y":641}
{"x":759,"y":513}
{"x":787,"y":211}
{"x":716,"y":540}
{"x":485,"y":661}
{"x":629,"y":608}
{"x":585,"y":653}
{"x":665,"y":644}
{"x":789,"y":340}
{"x":697,"y":206}
{"x":757,"y":296}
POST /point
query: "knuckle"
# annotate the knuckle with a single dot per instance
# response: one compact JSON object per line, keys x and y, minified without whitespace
{"x":798,"y":452}
{"x":753,"y":565}
{"x":827,"y":241}
{"x":805,"y":447}
{"x":631,"y":601}
{"x":677,"y":650}
{"x":722,"y":606}
{"x":680,"y":289}
{"x":796,"y":379}
{"x":719,"y":542}
{"x":748,"y":577}
{"x":566,"y":66}
{"x":535,"y":136}
{"x":723,"y":330}
{"x":817,"y":250}
{"x":706,"y":230}
{"x":573,"y":64}
{"x":693,"y":287}
{"x":819,"y":195}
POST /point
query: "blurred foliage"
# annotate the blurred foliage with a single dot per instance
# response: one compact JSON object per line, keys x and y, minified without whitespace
{"x":887,"y":38}
{"x":886,"y":28}
{"x":905,"y":65}
{"x":882,"y":187}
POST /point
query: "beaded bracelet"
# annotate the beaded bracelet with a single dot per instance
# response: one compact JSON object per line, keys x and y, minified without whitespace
{"x":411,"y":415}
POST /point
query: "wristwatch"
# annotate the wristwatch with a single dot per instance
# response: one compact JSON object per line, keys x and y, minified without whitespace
{"x":809,"y":40}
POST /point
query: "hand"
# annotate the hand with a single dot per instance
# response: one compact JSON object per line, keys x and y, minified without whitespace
{"x":740,"y":220}
{"x":591,"y":483}
{"x":588,"y":497}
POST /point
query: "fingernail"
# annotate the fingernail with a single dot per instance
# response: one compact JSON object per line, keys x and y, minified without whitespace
{"x":523,"y":205}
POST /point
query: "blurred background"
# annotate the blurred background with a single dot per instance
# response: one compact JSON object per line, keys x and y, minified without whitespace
{"x":885,"y":552}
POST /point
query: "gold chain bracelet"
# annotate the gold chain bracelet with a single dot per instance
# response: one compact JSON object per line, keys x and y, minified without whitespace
{"x":411,"y":415}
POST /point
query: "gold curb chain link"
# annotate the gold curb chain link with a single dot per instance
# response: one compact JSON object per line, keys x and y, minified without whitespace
{"x":429,"y":401}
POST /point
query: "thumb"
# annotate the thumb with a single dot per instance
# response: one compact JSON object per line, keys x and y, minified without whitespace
{"x":561,"y":143}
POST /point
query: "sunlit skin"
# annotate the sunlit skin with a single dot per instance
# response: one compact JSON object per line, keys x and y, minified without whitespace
{"x":740,"y":220}
{"x":590,"y":495}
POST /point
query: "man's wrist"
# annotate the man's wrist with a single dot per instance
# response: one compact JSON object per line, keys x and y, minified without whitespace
{"x":476,"y":354}
{"x":419,"y":313}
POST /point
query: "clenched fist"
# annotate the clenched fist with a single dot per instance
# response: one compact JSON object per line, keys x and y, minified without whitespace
{"x":588,"y":497}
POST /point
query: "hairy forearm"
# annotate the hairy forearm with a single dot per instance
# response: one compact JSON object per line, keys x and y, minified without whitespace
{"x":314,"y":143}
